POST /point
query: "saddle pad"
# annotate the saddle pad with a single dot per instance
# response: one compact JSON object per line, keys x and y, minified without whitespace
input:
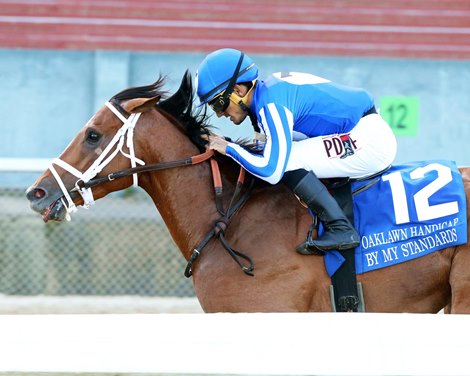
{"x":408,"y":212}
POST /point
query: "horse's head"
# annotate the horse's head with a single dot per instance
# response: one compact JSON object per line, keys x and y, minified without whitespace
{"x":105,"y":144}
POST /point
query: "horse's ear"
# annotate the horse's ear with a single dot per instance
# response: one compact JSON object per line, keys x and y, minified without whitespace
{"x":140,"y":104}
{"x":181,"y":101}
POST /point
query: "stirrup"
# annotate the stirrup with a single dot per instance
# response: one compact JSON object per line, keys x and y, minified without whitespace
{"x":307,"y":248}
{"x":310,"y":248}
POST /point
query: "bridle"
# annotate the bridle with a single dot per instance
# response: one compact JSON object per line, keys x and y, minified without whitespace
{"x":87,"y":180}
{"x":124,"y":134}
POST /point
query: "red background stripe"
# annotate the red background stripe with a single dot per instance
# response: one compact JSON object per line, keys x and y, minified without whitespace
{"x":420,"y":29}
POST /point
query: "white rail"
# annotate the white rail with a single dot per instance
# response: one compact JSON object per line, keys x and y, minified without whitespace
{"x":87,"y":304}
{"x":237,"y":344}
{"x":24,"y":164}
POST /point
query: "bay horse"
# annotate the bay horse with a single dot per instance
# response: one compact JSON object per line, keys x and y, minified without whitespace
{"x":267,"y":227}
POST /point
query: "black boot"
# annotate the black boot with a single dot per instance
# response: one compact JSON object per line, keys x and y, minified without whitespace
{"x":339,"y":233}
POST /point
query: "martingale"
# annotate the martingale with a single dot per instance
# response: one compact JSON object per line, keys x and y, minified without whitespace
{"x":412,"y":210}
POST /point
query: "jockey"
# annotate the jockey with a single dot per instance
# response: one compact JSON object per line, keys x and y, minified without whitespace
{"x":308,"y":128}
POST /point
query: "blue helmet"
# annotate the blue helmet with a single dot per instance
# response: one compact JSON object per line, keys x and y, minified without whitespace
{"x":217,"y":69}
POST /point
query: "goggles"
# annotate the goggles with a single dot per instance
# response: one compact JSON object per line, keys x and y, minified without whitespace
{"x":220,"y":103}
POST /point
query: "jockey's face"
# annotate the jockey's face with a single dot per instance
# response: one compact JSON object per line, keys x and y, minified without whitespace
{"x":236,"y":113}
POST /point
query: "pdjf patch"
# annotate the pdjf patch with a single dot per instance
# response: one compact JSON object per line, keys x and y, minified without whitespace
{"x":340,"y":146}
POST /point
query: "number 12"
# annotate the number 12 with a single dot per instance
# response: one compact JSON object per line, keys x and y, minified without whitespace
{"x":423,"y":209}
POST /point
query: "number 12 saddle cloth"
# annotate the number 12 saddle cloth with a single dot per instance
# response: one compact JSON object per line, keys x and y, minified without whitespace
{"x":408,"y":212}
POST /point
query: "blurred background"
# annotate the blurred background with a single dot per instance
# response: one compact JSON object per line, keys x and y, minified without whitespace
{"x":60,"y":60}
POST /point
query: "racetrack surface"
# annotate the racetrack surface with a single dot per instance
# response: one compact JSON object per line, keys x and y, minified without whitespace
{"x":438,"y":29}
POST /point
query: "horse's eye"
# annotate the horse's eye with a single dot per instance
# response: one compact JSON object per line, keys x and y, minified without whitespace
{"x":93,"y":137}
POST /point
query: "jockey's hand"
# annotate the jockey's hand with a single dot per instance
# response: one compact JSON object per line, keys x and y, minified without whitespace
{"x":217,"y":143}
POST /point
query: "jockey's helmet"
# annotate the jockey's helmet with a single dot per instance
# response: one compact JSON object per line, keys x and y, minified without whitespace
{"x":217,"y":72}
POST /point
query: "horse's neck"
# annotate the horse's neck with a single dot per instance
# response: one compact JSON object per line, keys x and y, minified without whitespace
{"x":183,"y":196}
{"x":185,"y":203}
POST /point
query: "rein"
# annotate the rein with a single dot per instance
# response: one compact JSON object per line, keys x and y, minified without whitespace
{"x":189,"y":161}
{"x":87,"y":181}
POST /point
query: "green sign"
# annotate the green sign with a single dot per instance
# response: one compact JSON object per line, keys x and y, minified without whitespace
{"x":401,"y":113}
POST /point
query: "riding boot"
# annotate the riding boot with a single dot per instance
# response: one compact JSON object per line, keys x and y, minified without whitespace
{"x":339,"y":234}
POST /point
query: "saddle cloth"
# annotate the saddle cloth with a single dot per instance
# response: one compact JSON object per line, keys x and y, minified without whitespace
{"x":408,"y":212}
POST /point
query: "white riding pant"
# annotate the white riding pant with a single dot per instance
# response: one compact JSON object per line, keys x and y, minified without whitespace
{"x":372,"y":142}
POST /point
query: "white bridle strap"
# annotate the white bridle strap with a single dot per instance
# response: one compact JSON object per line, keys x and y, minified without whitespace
{"x":101,"y":162}
{"x":71,"y":208}
{"x":115,"y":111}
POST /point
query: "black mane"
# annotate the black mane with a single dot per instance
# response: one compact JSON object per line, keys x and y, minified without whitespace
{"x":179,"y":105}
{"x":147,"y":91}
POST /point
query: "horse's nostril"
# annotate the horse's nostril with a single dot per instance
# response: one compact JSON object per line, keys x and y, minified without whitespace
{"x":39,"y":193}
{"x":36,"y":194}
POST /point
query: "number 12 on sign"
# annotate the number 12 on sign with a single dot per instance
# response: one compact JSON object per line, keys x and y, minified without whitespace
{"x":401,"y":113}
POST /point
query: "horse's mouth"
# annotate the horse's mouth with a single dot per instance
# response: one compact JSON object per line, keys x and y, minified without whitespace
{"x":56,"y":211}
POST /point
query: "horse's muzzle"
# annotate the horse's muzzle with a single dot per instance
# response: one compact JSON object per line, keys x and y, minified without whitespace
{"x":50,"y":207}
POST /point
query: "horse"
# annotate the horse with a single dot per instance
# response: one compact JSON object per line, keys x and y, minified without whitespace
{"x":267,"y":226}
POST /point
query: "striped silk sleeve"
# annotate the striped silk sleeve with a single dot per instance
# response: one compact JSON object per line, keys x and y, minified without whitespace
{"x":277,"y":122}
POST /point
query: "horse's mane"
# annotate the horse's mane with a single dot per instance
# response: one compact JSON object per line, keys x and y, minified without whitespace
{"x":147,"y":91}
{"x":179,"y":106}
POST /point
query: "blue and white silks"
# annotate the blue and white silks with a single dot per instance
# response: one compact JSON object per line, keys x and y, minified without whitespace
{"x":292,"y":106}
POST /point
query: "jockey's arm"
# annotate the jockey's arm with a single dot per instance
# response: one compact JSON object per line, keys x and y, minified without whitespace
{"x":276,"y":122}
